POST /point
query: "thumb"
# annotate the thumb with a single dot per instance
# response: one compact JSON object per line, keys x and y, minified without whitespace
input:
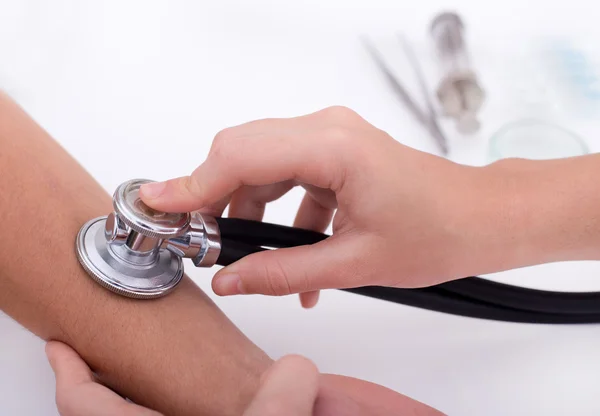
{"x":67,"y":365}
{"x":289,"y":388}
{"x":334,"y":263}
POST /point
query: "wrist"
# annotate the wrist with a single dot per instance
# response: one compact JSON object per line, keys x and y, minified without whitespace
{"x":490,"y":217}
{"x":541,"y":211}
{"x":509,"y":202}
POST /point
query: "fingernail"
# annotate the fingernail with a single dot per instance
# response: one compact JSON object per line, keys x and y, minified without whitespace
{"x":153,"y":190}
{"x":228,"y":284}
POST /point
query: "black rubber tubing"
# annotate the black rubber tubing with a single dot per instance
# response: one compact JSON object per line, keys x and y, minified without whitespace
{"x":471,"y":296}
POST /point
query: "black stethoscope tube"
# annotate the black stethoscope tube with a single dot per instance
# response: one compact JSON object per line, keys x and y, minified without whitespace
{"x":263,"y":234}
{"x":472,"y":296}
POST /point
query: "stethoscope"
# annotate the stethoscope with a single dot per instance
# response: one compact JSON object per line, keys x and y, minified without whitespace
{"x":137,"y":252}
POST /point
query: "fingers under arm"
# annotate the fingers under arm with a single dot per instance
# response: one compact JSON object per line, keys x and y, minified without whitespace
{"x":77,"y":393}
{"x":69,"y":369}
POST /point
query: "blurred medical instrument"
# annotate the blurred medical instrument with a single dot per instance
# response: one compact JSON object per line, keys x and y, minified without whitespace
{"x":427,"y":118}
{"x":573,"y":67}
{"x":459,"y":92}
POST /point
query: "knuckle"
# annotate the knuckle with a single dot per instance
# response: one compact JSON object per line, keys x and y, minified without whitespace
{"x":277,"y":279}
{"x":224,"y":135}
{"x":222,"y":143}
{"x":340,"y":114}
{"x":337,"y":135}
{"x":296,"y":360}
{"x":304,"y":284}
{"x":218,"y":149}
{"x":191,"y":185}
{"x":359,"y":270}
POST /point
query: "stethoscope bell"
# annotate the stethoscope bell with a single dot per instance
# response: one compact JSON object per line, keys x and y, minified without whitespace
{"x":137,"y":251}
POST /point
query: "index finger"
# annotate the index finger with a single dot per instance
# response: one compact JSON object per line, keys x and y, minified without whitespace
{"x":314,"y":156}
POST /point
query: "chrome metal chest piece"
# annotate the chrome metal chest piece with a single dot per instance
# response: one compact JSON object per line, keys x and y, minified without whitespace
{"x":137,"y":251}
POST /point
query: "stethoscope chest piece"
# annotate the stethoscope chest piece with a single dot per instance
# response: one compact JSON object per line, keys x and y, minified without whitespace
{"x":128,"y":251}
{"x":137,"y":278}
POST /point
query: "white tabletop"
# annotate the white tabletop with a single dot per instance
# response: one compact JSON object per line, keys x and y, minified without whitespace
{"x":155,"y":78}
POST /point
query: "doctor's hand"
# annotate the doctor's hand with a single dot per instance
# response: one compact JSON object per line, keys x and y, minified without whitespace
{"x":402,"y":217}
{"x":289,"y":388}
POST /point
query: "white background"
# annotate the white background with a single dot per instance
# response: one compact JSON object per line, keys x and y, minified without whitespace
{"x":139,"y":88}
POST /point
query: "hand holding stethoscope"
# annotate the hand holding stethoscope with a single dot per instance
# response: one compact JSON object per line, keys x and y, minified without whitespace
{"x":398,"y":221}
{"x":408,"y":226}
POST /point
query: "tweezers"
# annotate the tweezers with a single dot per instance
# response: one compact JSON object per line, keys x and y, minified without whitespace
{"x":427,"y":118}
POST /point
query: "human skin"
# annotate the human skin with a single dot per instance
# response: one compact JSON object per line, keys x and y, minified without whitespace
{"x":178,"y":355}
{"x":289,"y":387}
{"x":148,"y":351}
{"x":292,"y":386}
{"x":403,"y":218}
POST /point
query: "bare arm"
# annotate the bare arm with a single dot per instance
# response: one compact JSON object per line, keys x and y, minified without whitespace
{"x":179,"y":355}
{"x":545,"y":211}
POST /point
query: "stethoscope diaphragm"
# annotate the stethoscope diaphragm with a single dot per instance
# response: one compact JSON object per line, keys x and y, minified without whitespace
{"x":121,"y":270}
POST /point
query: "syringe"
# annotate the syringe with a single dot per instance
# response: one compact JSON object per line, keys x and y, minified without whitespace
{"x":459,"y":92}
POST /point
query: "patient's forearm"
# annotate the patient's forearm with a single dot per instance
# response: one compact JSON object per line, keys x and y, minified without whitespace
{"x":179,"y":355}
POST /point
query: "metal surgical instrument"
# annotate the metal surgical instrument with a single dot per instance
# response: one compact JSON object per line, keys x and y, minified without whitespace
{"x":137,"y":252}
{"x":459,"y":92}
{"x":426,"y":118}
